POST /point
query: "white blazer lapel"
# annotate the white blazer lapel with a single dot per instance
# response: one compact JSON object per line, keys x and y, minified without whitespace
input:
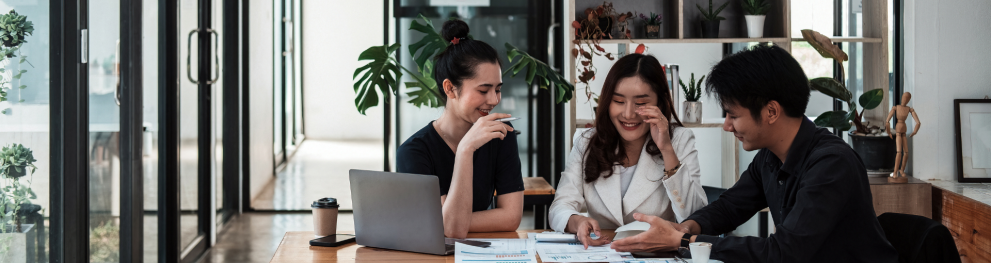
{"x":608,"y":190}
{"x":646,"y":179}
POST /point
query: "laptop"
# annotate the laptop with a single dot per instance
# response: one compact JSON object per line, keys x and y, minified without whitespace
{"x":398,"y":211}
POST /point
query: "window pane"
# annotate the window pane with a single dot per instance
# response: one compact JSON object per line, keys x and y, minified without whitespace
{"x":104,"y":131}
{"x":188,"y":128}
{"x":25,"y":122}
{"x":149,"y":60}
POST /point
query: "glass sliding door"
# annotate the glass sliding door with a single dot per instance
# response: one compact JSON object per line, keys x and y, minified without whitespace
{"x":104,"y":130}
{"x":288,"y":89}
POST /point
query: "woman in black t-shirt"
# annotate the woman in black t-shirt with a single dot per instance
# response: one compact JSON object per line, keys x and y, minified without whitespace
{"x":472,"y":154}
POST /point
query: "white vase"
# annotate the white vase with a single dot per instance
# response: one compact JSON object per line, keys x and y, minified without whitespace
{"x":755,"y":26}
{"x":692,"y":112}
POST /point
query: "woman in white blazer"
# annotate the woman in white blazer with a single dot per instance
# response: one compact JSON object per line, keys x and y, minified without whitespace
{"x":634,"y":161}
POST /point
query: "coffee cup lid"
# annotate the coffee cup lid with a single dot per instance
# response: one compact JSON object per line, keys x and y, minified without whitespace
{"x":326,"y":202}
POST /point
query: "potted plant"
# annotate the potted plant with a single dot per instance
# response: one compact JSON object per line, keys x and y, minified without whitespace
{"x":13,"y":30}
{"x":692,"y":108}
{"x":875,"y":148}
{"x":757,"y":10}
{"x":622,"y":28}
{"x":15,"y":201}
{"x":383,"y":72}
{"x":710,"y":20}
{"x":652,"y":25}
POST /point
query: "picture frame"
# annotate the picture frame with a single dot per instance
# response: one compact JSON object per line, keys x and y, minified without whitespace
{"x":973,"y":133}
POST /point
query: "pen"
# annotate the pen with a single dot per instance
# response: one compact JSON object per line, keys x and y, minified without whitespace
{"x":517,"y":132}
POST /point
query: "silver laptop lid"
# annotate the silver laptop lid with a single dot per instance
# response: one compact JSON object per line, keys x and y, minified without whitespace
{"x":397,"y":211}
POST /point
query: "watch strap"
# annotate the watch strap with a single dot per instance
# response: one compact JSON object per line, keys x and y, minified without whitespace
{"x":685,"y":239}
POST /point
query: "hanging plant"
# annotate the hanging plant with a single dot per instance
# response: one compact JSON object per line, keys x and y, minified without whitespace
{"x":14,"y":28}
{"x":589,"y":32}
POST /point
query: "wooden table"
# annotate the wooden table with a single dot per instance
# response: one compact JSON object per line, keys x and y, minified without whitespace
{"x":540,"y":194}
{"x":295,"y":247}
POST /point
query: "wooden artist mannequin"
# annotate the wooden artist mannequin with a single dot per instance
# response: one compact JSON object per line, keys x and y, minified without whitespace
{"x":900,"y":112}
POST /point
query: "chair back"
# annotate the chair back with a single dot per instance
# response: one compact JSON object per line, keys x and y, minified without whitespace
{"x":713,"y":193}
{"x":918,"y":239}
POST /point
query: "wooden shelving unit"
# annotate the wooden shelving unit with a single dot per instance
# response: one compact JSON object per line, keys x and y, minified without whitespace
{"x":681,"y":25}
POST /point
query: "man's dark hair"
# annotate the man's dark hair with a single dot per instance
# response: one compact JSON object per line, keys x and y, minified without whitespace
{"x":457,"y":62}
{"x":751,"y":78}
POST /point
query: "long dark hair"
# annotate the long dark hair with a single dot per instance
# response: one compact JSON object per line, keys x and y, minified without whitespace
{"x":457,"y":62}
{"x":604,"y":147}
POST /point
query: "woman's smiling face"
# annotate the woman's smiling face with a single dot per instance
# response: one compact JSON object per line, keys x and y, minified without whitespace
{"x":631,"y":93}
{"x":478,"y":95}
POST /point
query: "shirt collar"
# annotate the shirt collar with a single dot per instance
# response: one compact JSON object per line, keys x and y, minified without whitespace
{"x":799,"y":148}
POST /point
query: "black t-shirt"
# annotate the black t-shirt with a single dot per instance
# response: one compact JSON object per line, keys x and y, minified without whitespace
{"x":496,"y":164}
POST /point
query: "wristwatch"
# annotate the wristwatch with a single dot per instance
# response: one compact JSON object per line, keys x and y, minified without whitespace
{"x":687,"y":238}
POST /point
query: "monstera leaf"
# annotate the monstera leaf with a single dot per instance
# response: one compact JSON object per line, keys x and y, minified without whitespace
{"x":537,"y":70}
{"x":429,"y":46}
{"x":383,"y":73}
{"x":426,"y":92}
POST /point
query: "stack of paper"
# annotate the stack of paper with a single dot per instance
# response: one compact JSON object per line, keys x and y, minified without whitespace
{"x":499,"y":250}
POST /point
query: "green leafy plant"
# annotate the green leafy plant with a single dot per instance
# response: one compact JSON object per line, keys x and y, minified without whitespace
{"x":104,"y":245}
{"x":653,"y":19}
{"x":383,"y":72}
{"x":694,"y":90}
{"x":711,"y":15}
{"x":840,"y":120}
{"x":14,"y":29}
{"x":15,"y":159}
{"x":756,"y":7}
{"x":14,"y":163}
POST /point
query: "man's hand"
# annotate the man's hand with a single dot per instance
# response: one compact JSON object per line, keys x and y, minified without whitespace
{"x":662,"y":236}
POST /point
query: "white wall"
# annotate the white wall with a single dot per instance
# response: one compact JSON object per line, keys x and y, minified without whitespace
{"x":261,"y":149}
{"x":946,"y":58}
{"x":331,"y":50}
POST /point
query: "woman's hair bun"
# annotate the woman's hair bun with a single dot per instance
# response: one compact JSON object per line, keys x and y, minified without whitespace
{"x":454,"y":29}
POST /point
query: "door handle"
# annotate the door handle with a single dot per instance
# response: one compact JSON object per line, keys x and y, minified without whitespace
{"x":189,"y":54}
{"x":119,"y":74}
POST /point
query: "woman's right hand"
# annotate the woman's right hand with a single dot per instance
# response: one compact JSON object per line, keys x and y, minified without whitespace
{"x":484,"y":130}
{"x":583,"y":226}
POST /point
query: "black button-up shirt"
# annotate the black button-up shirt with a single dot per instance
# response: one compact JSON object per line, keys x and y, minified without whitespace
{"x":820,"y":201}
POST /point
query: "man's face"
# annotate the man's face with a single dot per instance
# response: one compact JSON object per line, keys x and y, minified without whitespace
{"x":744,"y":127}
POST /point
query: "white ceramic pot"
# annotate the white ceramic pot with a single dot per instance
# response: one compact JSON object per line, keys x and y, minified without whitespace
{"x":755,"y":26}
{"x":692,"y":112}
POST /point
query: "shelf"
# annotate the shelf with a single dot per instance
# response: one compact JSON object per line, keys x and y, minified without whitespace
{"x":692,"y":40}
{"x":706,"y":123}
{"x":847,"y":39}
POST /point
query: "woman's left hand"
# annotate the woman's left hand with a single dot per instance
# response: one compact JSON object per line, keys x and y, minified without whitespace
{"x":658,"y":125}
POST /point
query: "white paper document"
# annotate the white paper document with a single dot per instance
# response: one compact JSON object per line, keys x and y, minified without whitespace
{"x":499,"y":250}
{"x":576,"y":252}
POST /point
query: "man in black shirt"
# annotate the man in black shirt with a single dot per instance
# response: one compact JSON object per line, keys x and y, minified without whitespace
{"x":813,"y":182}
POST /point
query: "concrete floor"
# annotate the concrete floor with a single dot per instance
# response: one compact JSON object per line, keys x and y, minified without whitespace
{"x":254,"y":237}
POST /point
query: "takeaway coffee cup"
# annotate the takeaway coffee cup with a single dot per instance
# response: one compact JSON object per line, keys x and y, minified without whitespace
{"x":325,"y":216}
{"x":700,"y":251}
